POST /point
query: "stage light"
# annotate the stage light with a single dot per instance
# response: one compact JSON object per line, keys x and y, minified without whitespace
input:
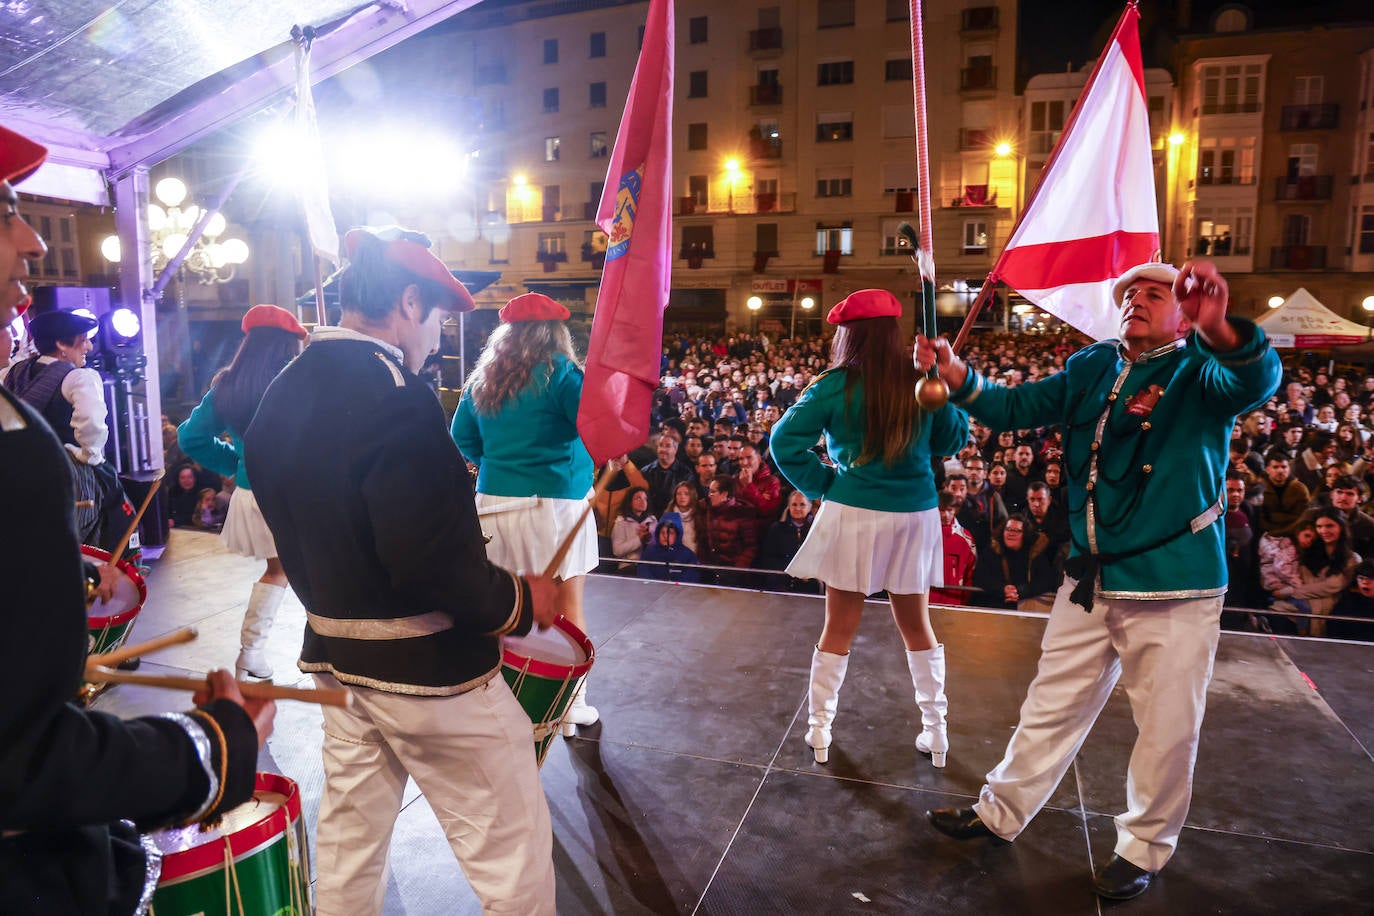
{"x":1275,"y":301}
{"x":808,"y":303}
{"x":125,"y":323}
{"x":87,"y":313}
{"x":754,"y":303}
{"x":110,"y":250}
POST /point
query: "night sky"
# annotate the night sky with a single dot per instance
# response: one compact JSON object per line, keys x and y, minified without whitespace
{"x":1054,"y":33}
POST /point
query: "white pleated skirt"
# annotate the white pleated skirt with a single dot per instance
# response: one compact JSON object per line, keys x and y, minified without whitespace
{"x":245,"y":531}
{"x":525,"y":532}
{"x":864,"y":550}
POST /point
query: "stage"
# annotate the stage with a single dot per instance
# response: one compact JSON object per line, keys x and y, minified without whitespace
{"x":697,"y":794}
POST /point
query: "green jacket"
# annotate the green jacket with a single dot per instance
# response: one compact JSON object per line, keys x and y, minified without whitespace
{"x":1145,"y":453}
{"x":908,"y":486}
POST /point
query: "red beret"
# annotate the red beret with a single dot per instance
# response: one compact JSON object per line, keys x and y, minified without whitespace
{"x":533,"y":307}
{"x":865,"y":303}
{"x":20,"y":157}
{"x":271,"y":316}
{"x":420,"y":261}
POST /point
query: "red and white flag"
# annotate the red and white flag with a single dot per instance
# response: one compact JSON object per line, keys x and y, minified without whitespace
{"x":1093,"y":216}
{"x":636,"y":214}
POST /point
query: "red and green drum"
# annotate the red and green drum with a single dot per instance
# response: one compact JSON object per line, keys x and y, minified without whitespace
{"x":544,"y":670}
{"x":255,"y":863}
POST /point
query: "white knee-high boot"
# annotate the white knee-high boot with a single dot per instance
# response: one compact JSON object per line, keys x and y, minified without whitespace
{"x":928,"y":677}
{"x":263,"y":603}
{"x":580,"y":712}
{"x":827,"y":674}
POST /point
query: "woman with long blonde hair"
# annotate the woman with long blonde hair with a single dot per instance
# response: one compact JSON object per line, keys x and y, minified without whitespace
{"x":517,"y":421}
{"x":878,"y":525}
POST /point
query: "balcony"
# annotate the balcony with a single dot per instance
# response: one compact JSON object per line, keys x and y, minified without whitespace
{"x":1304,"y":187}
{"x":978,"y":19}
{"x":740,"y":203}
{"x":592,"y":255}
{"x":1250,"y":106}
{"x":974,"y":138}
{"x":1297,"y":257}
{"x":974,"y":79}
{"x":766,"y":94}
{"x":765,"y":148}
{"x":1309,"y":117}
{"x":1215,"y":178}
{"x":765,"y":40}
{"x":975,"y":195}
{"x":551,"y":259}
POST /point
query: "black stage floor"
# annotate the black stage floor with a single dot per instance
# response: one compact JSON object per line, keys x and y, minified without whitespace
{"x":697,"y":794}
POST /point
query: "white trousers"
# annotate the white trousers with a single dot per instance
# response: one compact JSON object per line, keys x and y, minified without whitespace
{"x":472,"y":756}
{"x":1162,"y":651}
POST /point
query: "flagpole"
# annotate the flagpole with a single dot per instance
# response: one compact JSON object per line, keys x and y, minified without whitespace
{"x":990,"y":284}
{"x":321,"y":316}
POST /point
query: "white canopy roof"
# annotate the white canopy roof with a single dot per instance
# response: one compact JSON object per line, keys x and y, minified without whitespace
{"x":1302,"y":321}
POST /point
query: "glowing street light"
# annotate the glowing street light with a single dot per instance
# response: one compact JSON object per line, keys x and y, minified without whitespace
{"x":755,"y":303}
{"x":808,"y":303}
{"x":1275,"y":301}
{"x":1368,"y":304}
{"x":1002,"y":149}
{"x":1176,"y":138}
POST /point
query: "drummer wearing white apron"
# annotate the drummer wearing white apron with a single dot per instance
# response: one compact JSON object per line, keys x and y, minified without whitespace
{"x":517,"y":421}
{"x":878,"y":526}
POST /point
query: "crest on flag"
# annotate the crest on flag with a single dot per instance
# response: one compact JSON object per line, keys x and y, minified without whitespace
{"x":626,"y":206}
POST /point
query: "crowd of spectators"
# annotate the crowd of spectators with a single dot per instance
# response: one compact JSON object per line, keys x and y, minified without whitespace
{"x":704,"y":492}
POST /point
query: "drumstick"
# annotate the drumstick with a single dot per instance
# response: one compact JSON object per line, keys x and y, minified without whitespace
{"x":118,"y":553}
{"x":85,"y":504}
{"x":118,"y":656}
{"x":602,"y":483}
{"x":250,"y":689}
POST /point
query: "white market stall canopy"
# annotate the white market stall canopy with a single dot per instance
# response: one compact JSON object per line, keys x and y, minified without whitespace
{"x":1303,"y":322}
{"x":110,"y":87}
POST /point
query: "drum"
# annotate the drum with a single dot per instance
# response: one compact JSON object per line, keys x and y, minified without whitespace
{"x":108,"y":622}
{"x":255,"y":862}
{"x":544,"y":670}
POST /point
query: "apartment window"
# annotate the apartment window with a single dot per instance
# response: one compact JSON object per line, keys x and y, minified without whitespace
{"x":1223,"y":232}
{"x":975,"y":236}
{"x":550,"y":50}
{"x":834,"y":126}
{"x":500,"y":248}
{"x":696,"y":136}
{"x":1046,"y":124}
{"x":696,"y":30}
{"x":62,"y":261}
{"x":550,"y":100}
{"x":1231,"y":88}
{"x":766,"y":238}
{"x":893,"y":241}
{"x":595,"y":190}
{"x":1297,"y":229}
{"x":698,"y":188}
{"x":835,"y":73}
{"x":1226,"y":160}
{"x":898,"y":10}
{"x":596,"y":95}
{"x":698,"y":241}
{"x":553,"y":203}
{"x":835,"y":238}
{"x":1369,"y":157}
{"x":696,"y":84}
{"x":834,"y":14}
{"x":835,"y":181}
{"x":552,"y":245}
{"x":897,"y":69}
{"x":1366,"y":240}
{"x":551,"y":145}
{"x":1302,"y":160}
{"x":599,"y":149}
{"x":899,"y":176}
{"x":598,"y":48}
{"x":1307,"y":90}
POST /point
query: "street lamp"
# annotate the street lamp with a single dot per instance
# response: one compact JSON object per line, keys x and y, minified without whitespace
{"x":210,"y":260}
{"x":731,"y":175}
{"x":754,"y":303}
{"x":808,"y":303}
{"x":1368,"y":304}
{"x":1275,"y":301}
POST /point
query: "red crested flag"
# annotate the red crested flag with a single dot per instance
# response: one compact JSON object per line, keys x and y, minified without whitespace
{"x":636,"y":214}
{"x":1093,"y":216}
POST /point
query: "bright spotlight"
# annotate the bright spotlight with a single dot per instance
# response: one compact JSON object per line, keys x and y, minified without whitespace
{"x":87,"y":313}
{"x":125,"y":323}
{"x":1275,"y":301}
{"x":109,"y":249}
{"x":808,"y":303}
{"x":754,"y":303}
{"x":171,"y":191}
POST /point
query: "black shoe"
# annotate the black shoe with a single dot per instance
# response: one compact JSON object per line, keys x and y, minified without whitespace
{"x":1121,"y":880}
{"x":962,"y":824}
